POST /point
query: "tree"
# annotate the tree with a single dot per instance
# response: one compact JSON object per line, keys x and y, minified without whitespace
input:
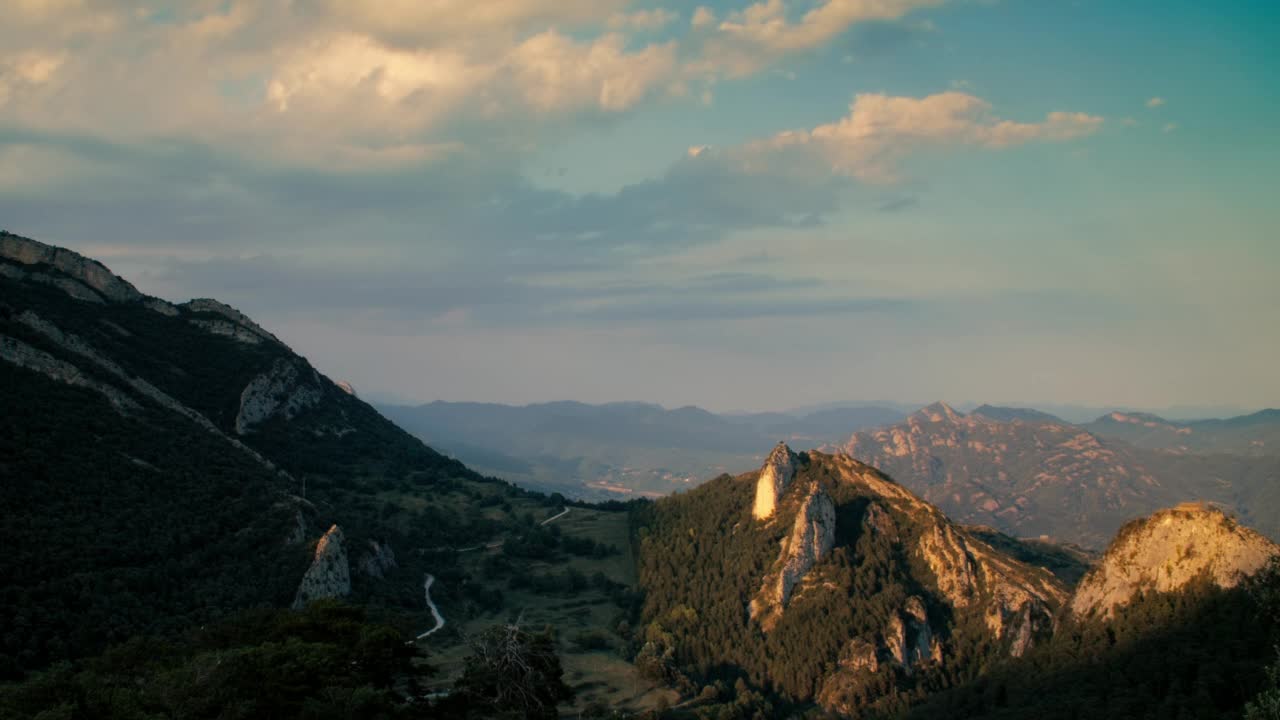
{"x":513,"y":672}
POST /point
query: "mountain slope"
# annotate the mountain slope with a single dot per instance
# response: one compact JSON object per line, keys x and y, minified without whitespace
{"x":1256,"y":434}
{"x":857,"y":591}
{"x":165,"y":464}
{"x":1050,"y":478}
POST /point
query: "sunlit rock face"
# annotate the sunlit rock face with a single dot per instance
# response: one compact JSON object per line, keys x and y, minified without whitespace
{"x":811,"y":538}
{"x":1166,"y":551}
{"x":330,"y":573}
{"x":778,"y":471}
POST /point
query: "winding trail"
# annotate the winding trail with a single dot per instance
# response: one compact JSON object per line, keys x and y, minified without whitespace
{"x":426,"y":586}
{"x":556,"y":517}
{"x":435,"y":611}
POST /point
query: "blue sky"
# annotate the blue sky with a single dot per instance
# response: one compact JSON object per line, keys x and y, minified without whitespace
{"x":736,"y":205}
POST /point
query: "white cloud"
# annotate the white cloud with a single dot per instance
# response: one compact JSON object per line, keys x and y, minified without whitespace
{"x":702,"y":17}
{"x":756,"y":36}
{"x":1155,"y":102}
{"x":1170,"y":127}
{"x":554,"y":72}
{"x":880,"y":129}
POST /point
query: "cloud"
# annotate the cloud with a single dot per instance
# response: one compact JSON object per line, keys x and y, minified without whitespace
{"x":1155,"y":102}
{"x":1170,"y":127}
{"x":654,"y":19}
{"x":879,"y":130}
{"x":760,"y":34}
{"x":702,"y":17}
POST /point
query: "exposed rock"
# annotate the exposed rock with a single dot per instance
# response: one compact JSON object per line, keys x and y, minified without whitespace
{"x":226,"y":328}
{"x":811,"y":539}
{"x":74,"y":288}
{"x":329,"y":575}
{"x":89,"y":272}
{"x":208,"y":305}
{"x":23,"y":355}
{"x":1017,"y":601}
{"x":778,"y":471}
{"x":347,"y":388}
{"x":75,"y":344}
{"x":161,"y":306}
{"x":377,"y":560}
{"x":1166,"y":551}
{"x":284,"y":390}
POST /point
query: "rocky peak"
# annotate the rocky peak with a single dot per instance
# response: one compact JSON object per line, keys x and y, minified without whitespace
{"x":88,"y":279}
{"x":811,"y":539}
{"x":330,"y":573}
{"x":778,"y":471}
{"x":1166,"y":551}
{"x":937,"y":412}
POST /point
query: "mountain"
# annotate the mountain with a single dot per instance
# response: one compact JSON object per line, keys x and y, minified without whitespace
{"x":1179,"y":618}
{"x":1255,"y":434}
{"x":1167,"y":551}
{"x":818,"y":585}
{"x":617,"y":450}
{"x":1029,"y":478}
{"x":1009,"y":414}
{"x":166,"y":465}
{"x":858,"y":593}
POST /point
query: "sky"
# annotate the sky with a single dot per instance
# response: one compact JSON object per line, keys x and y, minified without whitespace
{"x":739,"y":205}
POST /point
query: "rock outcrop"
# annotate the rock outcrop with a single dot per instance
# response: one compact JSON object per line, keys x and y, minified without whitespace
{"x":234,"y":324}
{"x":284,"y":390}
{"x":91,"y":280}
{"x":1166,"y":551}
{"x":23,"y":355}
{"x":1017,"y":601}
{"x":811,"y":538}
{"x":778,"y":471}
{"x":330,"y":573}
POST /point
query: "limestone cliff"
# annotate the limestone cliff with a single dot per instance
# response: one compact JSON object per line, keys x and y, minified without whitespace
{"x":234,"y":324}
{"x":811,"y":538}
{"x":330,"y":573}
{"x":86,"y":279}
{"x":778,"y":471}
{"x":1166,"y":551}
{"x":286,"y":390}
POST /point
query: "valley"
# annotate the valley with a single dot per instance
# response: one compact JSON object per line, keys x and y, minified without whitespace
{"x":216,"y":516}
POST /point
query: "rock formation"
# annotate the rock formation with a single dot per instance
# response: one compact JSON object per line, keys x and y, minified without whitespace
{"x":811,"y":538}
{"x":329,"y":575}
{"x":241,"y":327}
{"x":90,"y":280}
{"x":778,"y":470}
{"x":1166,"y":551}
{"x":284,"y":390}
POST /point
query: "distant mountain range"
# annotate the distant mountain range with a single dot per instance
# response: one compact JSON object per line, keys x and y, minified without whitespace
{"x":1026,"y":473}
{"x":617,"y":450}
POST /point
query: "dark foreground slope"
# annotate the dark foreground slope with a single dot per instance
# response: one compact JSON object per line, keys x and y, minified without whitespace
{"x":165,"y":464}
